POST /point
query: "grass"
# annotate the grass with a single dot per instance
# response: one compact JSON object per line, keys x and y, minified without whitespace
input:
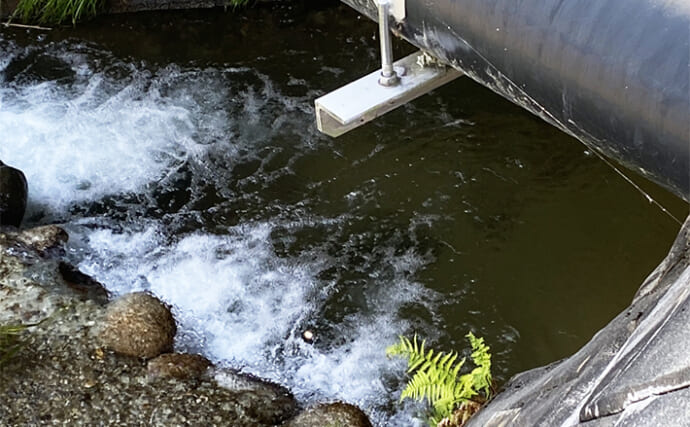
{"x":10,"y":341}
{"x":56,"y":12}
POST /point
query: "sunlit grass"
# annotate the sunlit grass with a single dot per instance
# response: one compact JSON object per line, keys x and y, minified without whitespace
{"x":55,"y":12}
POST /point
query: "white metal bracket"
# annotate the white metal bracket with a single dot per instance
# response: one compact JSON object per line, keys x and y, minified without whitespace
{"x":397,"y":9}
{"x":365,"y":99}
{"x":395,"y":84}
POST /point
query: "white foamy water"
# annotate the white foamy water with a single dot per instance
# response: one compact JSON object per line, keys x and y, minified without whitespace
{"x":82,"y":148}
{"x":243,"y":305}
{"x":91,"y":136}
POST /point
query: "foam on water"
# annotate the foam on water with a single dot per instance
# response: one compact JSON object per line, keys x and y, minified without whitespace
{"x":109,"y":131}
{"x":80,"y":147}
{"x":241,"y":304}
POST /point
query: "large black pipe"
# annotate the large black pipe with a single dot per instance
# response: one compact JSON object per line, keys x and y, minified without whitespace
{"x":614,"y":74}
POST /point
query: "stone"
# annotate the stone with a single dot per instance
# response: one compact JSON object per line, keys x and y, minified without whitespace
{"x":13,"y":195}
{"x":264,"y":400}
{"x":178,"y":365}
{"x":43,"y":238}
{"x":331,"y":414}
{"x":60,"y":376}
{"x":83,"y":284}
{"x":139,"y":325}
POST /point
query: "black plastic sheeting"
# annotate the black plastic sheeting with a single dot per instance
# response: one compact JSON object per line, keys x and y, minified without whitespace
{"x":614,"y":74}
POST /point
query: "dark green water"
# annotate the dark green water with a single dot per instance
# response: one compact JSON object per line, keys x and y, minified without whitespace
{"x":457,"y":212}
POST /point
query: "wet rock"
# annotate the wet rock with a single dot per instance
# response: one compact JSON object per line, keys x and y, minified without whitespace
{"x":269,"y":402}
{"x":29,"y":292}
{"x":60,"y":375}
{"x":35,"y":66}
{"x":83,"y":284}
{"x":13,"y":194}
{"x":178,"y":365}
{"x":44,"y":238}
{"x":331,"y":414}
{"x":139,"y":325}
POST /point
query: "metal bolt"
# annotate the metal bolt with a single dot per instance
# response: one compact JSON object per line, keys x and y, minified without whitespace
{"x":388,"y":74}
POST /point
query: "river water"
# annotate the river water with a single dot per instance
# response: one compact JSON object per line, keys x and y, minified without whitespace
{"x":179,"y":149}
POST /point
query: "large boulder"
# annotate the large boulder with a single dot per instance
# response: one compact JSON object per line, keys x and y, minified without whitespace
{"x":139,"y":325}
{"x":634,"y":372}
{"x":13,"y":194}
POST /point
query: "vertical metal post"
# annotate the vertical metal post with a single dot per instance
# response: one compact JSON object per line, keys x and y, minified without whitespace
{"x":388,"y":75}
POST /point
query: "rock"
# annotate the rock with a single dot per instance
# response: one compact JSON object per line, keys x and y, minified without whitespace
{"x":43,"y":238}
{"x":263,"y":400}
{"x":13,"y":194}
{"x":60,"y":376}
{"x":178,"y":365}
{"x":331,"y":414}
{"x":138,"y":324}
{"x":83,"y":284}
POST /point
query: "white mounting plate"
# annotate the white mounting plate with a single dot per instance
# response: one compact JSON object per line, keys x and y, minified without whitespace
{"x":365,"y":99}
{"x":397,"y":9}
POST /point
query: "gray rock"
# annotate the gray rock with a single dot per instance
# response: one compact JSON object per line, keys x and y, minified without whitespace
{"x":634,"y":372}
{"x":82,"y":284}
{"x":335,"y":414}
{"x":30,"y":288}
{"x":275,"y":401}
{"x":178,"y":365}
{"x":43,"y":238}
{"x":139,"y":325}
{"x":13,"y":194}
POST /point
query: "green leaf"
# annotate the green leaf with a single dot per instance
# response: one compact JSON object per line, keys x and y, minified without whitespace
{"x":435,"y":376}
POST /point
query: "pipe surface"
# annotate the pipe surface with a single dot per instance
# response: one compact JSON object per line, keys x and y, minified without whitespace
{"x":614,"y":74}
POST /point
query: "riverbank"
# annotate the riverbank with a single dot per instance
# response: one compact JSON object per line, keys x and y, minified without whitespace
{"x":84,"y":360}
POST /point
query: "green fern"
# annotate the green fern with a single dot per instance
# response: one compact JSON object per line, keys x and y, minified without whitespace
{"x":436,"y":378}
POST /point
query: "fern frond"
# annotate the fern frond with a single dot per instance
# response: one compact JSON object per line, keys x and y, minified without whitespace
{"x":436,"y":376}
{"x":481,"y":375}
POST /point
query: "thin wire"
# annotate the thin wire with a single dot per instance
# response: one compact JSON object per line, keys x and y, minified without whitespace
{"x":544,"y":113}
{"x":646,"y":195}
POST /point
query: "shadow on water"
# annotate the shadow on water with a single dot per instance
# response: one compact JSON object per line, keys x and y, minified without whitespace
{"x":180,"y":150}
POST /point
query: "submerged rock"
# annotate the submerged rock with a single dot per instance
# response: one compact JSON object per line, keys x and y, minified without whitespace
{"x":13,"y":194}
{"x":139,"y":325}
{"x":331,"y":414}
{"x":178,"y":365}
{"x":634,"y":372}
